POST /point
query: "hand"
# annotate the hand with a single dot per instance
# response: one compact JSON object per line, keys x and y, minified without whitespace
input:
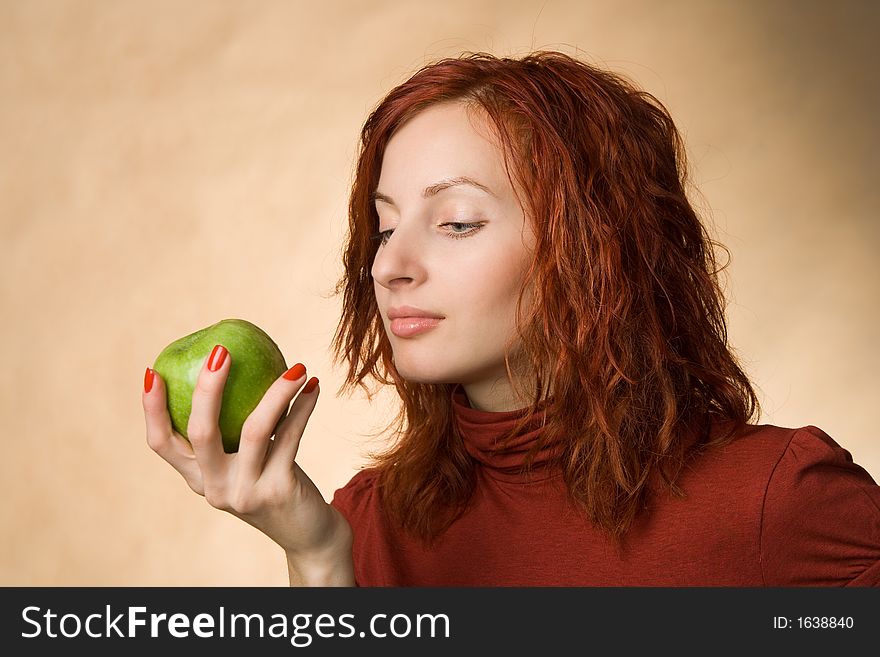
{"x":261,"y":483}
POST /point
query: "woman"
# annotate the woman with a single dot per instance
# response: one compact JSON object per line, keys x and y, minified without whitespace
{"x":524,"y":267}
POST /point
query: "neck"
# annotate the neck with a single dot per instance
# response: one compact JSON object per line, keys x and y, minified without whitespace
{"x":495,"y":396}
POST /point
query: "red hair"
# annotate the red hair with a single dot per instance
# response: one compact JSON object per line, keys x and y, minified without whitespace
{"x":627,"y":322}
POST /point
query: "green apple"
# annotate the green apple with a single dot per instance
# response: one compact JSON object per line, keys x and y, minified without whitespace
{"x":257,"y":362}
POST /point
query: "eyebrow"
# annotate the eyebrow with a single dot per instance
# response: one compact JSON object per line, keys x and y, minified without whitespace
{"x":436,"y":188}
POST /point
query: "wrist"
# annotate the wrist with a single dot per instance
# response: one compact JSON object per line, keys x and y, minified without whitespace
{"x":320,"y":573}
{"x":331,"y":565}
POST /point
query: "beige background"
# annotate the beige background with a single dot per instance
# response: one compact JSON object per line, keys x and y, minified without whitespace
{"x":168,"y":164}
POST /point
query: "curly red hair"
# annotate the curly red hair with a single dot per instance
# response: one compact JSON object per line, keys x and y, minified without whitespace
{"x":627,"y":323}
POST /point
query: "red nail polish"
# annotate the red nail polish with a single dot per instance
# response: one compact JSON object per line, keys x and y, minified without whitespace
{"x":295,"y":372}
{"x":218,"y":357}
{"x":311,"y":385}
{"x":148,"y":380}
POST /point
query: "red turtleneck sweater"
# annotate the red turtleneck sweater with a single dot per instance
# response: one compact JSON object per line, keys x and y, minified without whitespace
{"x":775,"y":507}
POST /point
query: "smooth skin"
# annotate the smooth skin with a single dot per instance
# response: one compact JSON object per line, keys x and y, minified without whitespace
{"x":261,"y":483}
{"x":461,"y":253}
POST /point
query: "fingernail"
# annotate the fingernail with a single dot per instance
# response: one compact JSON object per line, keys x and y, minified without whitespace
{"x":311,"y":385}
{"x":218,"y":356}
{"x":148,"y":380}
{"x":295,"y":372}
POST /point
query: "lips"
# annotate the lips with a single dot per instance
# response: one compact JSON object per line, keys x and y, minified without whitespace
{"x":411,"y":311}
{"x":407,"y":327}
{"x":408,"y":321}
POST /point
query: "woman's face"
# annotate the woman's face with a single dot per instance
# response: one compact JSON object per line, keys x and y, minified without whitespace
{"x":452,"y":250}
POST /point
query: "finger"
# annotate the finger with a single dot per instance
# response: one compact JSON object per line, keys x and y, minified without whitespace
{"x":203,"y":429}
{"x":263,"y":420}
{"x":162,"y":438}
{"x":291,"y":430}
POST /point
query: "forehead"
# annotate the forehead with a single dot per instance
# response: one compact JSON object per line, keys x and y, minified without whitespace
{"x":442,"y":141}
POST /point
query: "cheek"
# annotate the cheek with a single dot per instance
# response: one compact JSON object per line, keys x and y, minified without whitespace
{"x":492,"y":288}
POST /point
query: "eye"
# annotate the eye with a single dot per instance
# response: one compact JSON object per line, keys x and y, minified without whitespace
{"x":382,"y":236}
{"x":471,"y":228}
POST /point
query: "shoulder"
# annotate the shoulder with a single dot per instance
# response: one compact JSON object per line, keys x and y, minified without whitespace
{"x":766,"y":453}
{"x":357,"y":493}
{"x":760,"y":444}
{"x":790,"y":500}
{"x":741,"y":467}
{"x":820,"y":515}
{"x":812,"y":453}
{"x":805,"y":458}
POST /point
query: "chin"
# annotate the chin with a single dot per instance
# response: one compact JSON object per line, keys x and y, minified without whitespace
{"x":415,"y":373}
{"x":434,"y":376}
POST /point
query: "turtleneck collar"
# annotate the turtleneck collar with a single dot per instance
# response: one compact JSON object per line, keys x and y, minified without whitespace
{"x":481,"y":431}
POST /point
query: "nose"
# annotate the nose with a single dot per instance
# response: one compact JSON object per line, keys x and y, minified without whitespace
{"x":401,"y":259}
